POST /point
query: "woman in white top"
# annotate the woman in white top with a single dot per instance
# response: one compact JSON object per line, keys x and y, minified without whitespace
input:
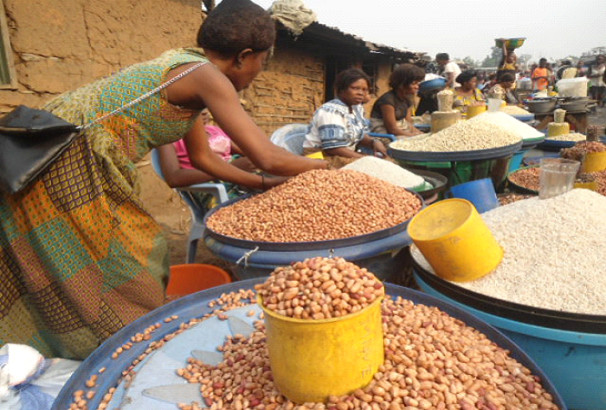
{"x":338,"y":127}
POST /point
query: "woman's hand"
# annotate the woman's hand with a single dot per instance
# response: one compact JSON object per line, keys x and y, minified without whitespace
{"x":379,"y":147}
{"x":273,"y":181}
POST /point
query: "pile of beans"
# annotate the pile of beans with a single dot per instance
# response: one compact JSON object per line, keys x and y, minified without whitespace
{"x":319,"y":288}
{"x":317,"y":205}
{"x":600,"y":178}
{"x":573,"y":136}
{"x":582,"y":148}
{"x":506,"y":199}
{"x":432,"y":361}
{"x":463,"y":136}
{"x":387,"y":171}
{"x":526,"y":178}
{"x":552,"y":258}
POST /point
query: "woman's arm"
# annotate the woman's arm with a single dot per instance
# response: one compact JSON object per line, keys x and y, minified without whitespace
{"x":343,"y":152}
{"x":388,"y":113}
{"x":207,"y":86}
{"x":174,"y":175}
{"x":203,"y":158}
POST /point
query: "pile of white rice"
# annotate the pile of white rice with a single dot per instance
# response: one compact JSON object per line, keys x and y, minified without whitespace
{"x":387,"y":171}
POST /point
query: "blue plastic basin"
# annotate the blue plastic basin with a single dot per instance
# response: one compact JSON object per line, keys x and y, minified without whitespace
{"x":575,"y":362}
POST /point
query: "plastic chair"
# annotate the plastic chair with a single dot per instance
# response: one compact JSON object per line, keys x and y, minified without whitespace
{"x":290,"y":137}
{"x":197,"y":213}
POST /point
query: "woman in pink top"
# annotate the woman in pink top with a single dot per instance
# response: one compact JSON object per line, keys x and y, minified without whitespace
{"x":178,"y":170}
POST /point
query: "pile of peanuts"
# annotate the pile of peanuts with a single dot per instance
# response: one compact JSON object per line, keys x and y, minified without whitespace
{"x":506,"y":199}
{"x":432,"y":361}
{"x":582,"y":148}
{"x":319,"y":288}
{"x":600,"y":178}
{"x":526,"y":178}
{"x":317,"y":205}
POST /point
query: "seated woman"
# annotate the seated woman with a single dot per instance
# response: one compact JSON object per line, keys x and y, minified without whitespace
{"x":392,"y":112}
{"x":178,"y":170}
{"x":338,"y":127}
{"x":468,"y":93}
{"x":504,"y":89}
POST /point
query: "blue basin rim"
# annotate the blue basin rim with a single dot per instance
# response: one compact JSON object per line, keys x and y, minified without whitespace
{"x":422,"y":156}
{"x":270,"y":259}
{"x":196,"y":305}
{"x":296,"y":246}
{"x":554,"y":319}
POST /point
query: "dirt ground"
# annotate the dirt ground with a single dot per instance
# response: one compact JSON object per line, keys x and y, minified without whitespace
{"x":172,"y":213}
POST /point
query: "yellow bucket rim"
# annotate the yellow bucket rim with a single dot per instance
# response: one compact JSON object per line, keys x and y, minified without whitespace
{"x":316,"y":321}
{"x":412,"y":224}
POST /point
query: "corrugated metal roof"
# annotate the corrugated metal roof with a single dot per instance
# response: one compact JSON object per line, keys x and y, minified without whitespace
{"x":332,"y":36}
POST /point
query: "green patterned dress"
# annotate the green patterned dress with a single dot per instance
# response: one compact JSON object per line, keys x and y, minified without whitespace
{"x":79,"y":256}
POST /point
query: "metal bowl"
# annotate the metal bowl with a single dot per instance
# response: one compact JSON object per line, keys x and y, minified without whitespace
{"x":541,"y":106}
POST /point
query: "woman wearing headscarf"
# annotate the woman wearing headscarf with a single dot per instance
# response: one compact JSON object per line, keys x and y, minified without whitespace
{"x":392,"y":112}
{"x":468,"y":93}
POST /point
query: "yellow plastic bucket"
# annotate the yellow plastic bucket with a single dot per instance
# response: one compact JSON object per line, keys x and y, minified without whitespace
{"x":474,"y":110}
{"x":455,"y":240}
{"x":594,"y":162}
{"x":313,"y":359}
{"x":316,"y":155}
{"x":592,"y":185}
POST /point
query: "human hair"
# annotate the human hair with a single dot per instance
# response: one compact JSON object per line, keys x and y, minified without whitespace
{"x":442,"y":56}
{"x":349,"y":76}
{"x":542,"y":60}
{"x":235,"y":25}
{"x":507,"y":78}
{"x":405,"y":74}
{"x":465,"y":76}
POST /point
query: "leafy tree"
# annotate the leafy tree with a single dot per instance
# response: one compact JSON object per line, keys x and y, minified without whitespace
{"x":494,"y":58}
{"x":471,"y":63}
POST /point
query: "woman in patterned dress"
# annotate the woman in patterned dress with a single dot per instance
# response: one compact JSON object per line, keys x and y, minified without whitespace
{"x":79,"y":256}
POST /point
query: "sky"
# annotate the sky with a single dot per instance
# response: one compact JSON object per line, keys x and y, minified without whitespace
{"x":553,"y":29}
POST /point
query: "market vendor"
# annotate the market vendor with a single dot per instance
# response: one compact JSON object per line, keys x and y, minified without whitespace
{"x":468,"y":93}
{"x":392,"y":112}
{"x":81,"y":257}
{"x":508,"y":64}
{"x":339,"y":126}
{"x":504,"y":89}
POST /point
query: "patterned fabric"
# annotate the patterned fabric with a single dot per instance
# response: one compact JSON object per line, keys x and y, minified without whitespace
{"x":79,"y":256}
{"x":461,"y":102}
{"x":333,"y":126}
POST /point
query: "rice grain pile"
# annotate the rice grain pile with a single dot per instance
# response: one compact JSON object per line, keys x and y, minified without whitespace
{"x":463,"y":136}
{"x":509,"y":123}
{"x":573,"y":136}
{"x":315,"y":206}
{"x":387,"y":171}
{"x":514,"y":110}
{"x":553,"y":253}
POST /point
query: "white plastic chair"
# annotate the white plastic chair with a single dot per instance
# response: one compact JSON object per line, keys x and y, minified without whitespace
{"x":290,"y":137}
{"x":197,"y":213}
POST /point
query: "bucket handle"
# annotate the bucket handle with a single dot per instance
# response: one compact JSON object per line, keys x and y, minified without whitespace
{"x":246,"y":256}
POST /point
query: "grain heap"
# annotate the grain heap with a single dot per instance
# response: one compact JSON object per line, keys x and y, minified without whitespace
{"x":600,"y":178}
{"x":387,"y":171}
{"x":319,"y":288}
{"x":317,"y":205}
{"x":526,"y":178}
{"x":582,"y":148}
{"x":514,"y":110}
{"x":506,"y":121}
{"x":432,"y":361}
{"x":550,"y":257}
{"x":573,"y":136}
{"x":463,"y":136}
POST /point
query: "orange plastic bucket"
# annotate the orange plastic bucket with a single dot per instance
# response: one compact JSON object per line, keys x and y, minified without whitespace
{"x":194,"y":277}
